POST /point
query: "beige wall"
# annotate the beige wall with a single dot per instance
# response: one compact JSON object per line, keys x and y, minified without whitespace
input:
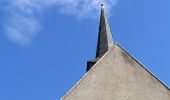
{"x":117,"y":76}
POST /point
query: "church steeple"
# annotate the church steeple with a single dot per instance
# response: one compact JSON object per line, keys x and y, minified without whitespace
{"x":115,"y":74}
{"x":105,"y":40}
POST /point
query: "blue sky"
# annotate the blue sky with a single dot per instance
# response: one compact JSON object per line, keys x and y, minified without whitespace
{"x":44,"y":45}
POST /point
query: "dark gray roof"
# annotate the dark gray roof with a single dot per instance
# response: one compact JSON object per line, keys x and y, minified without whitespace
{"x":105,"y":40}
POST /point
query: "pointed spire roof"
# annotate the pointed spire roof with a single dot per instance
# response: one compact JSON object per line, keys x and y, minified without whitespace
{"x":105,"y":40}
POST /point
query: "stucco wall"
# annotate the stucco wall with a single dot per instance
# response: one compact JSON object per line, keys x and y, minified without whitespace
{"x":117,"y":76}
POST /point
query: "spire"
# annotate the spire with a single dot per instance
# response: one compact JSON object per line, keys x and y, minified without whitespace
{"x":105,"y":40}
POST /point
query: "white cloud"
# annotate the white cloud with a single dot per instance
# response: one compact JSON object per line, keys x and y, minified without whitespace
{"x":22,"y":25}
{"x":21,"y":29}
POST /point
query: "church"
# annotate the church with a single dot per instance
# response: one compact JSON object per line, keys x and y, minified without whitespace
{"x":115,"y":74}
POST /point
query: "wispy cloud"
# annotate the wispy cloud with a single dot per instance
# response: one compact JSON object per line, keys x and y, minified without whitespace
{"x":23,"y":23}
